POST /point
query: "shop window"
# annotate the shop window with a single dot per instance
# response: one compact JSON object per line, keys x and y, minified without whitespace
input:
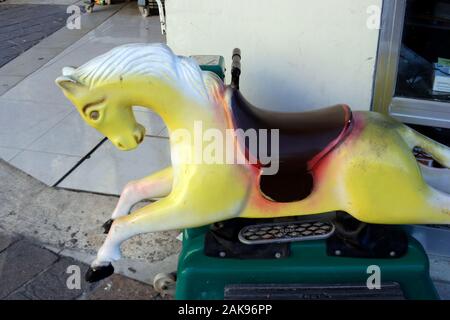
{"x":413,"y":68}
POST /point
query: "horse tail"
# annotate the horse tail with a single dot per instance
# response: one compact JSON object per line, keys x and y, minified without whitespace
{"x":440,"y":152}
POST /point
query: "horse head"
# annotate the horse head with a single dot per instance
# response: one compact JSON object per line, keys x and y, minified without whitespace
{"x":105,"y":89}
{"x":105,"y":110}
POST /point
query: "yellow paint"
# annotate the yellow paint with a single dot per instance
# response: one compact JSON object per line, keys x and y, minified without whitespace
{"x":372,"y":175}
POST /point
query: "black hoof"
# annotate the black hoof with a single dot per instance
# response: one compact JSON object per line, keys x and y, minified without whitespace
{"x":107,"y":225}
{"x":95,"y":274}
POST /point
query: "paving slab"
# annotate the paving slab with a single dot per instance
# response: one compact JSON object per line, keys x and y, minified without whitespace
{"x":24,"y":25}
{"x":52,"y":283}
{"x":7,"y":82}
{"x":443,"y":288}
{"x":29,"y":61}
{"x":79,"y":138}
{"x":44,"y":166}
{"x":7,"y":240}
{"x":40,"y":132}
{"x":15,"y":266}
{"x":439,"y":268}
{"x":7,"y":153}
{"x":22,"y":122}
{"x":70,"y":222}
{"x":46,"y":49}
{"x":118,"y":287}
{"x":108,"y":169}
{"x":17,"y":296}
{"x":67,"y":2}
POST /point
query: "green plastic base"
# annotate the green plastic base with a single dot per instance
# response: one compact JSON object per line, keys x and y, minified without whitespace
{"x":202,"y":277}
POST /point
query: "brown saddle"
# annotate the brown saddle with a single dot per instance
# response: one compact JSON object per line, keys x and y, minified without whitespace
{"x":304,"y":138}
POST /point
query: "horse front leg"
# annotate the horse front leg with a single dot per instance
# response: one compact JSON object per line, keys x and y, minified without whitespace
{"x":165,"y":214}
{"x":193,"y":202}
{"x":156,"y":185}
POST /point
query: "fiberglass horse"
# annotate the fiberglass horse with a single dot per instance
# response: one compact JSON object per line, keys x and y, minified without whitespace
{"x":358,"y":162}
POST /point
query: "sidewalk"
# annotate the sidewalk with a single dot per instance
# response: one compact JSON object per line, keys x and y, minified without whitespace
{"x":43,"y":230}
{"x":69,"y":224}
{"x":31,"y":272}
{"x":32,"y":24}
{"x":42,"y":134}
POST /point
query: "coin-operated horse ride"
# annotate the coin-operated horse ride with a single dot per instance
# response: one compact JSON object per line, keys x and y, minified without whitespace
{"x":329,"y":217}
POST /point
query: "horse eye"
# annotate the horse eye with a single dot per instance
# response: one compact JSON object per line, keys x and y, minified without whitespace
{"x":94,"y":115}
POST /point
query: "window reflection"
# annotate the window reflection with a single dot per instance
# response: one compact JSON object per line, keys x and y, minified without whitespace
{"x":424,"y":63}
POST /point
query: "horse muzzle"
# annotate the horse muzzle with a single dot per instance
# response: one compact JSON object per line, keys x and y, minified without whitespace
{"x":131,"y":141}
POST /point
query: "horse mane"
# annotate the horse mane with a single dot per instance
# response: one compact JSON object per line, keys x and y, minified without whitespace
{"x":146,"y":59}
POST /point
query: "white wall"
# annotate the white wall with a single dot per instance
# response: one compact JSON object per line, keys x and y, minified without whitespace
{"x":296,"y":54}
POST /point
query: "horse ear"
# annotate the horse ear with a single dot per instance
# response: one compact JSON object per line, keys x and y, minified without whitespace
{"x":68,"y":85}
{"x":67,"y":71}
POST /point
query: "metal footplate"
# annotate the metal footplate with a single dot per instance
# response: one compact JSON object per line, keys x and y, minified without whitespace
{"x":286,"y":232}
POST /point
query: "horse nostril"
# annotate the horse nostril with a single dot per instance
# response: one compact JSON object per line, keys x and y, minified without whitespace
{"x":138,"y":137}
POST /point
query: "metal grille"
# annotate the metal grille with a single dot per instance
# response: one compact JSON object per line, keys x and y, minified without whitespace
{"x":286,"y":232}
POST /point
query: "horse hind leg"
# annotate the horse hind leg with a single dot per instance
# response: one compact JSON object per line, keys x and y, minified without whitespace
{"x":439,"y":200}
{"x":414,"y":139}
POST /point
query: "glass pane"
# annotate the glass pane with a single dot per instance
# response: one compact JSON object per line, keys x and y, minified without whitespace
{"x":424,"y":64}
